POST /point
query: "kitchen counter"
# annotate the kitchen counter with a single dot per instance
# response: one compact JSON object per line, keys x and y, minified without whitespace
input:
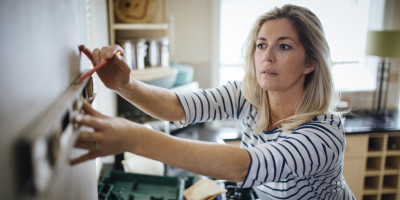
{"x":206,"y":132}
{"x":368,"y":122}
{"x":355,"y":123}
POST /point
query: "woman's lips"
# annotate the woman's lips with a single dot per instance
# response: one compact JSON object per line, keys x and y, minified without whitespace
{"x":268,"y":72}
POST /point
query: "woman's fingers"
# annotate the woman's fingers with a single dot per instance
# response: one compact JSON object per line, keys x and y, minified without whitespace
{"x":111,"y":52}
{"x":88,"y":53}
{"x":92,"y":118}
{"x":96,"y":56}
{"x":90,"y":110}
{"x":91,"y":121}
{"x":88,"y":156}
{"x":120,"y":61}
{"x":115,"y":50}
{"x":103,"y":54}
{"x":89,"y":137}
{"x":89,"y":141}
{"x":91,"y":146}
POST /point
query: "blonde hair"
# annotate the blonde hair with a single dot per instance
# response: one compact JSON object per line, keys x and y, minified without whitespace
{"x":319,"y":96}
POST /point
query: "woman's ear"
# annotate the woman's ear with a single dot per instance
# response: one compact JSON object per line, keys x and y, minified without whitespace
{"x":309,"y":68}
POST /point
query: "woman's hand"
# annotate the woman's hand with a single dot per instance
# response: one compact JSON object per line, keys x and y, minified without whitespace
{"x":112,"y":135}
{"x":116,"y":74}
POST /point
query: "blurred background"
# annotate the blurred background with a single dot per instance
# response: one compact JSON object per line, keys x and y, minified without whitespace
{"x":177,"y":44}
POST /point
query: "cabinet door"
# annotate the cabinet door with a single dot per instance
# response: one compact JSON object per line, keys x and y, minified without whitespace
{"x":354,"y":162}
{"x":353,"y":172}
{"x":356,"y":145}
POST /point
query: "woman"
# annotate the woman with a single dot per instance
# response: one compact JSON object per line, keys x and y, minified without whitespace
{"x":292,"y":142}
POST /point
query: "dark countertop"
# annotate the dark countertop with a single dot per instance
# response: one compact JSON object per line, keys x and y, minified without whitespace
{"x":206,"y":132}
{"x":355,"y":123}
{"x":361,"y":122}
{"x":369,"y":122}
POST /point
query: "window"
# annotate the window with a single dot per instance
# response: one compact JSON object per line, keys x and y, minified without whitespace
{"x":345,"y":24}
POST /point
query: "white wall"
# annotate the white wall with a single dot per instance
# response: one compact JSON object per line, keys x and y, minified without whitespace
{"x":196,"y":44}
{"x":40,"y":59}
{"x":105,"y":100}
{"x":390,"y":21}
{"x":193,"y":36}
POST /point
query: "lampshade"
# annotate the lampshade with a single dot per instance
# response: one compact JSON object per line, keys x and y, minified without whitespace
{"x":383,"y":43}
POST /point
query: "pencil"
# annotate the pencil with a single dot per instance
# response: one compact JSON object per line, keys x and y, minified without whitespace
{"x":97,"y":67}
{"x":83,"y":49}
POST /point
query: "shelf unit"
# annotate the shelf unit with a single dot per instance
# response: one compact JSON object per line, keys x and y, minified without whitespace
{"x":380,"y":177}
{"x":158,"y":27}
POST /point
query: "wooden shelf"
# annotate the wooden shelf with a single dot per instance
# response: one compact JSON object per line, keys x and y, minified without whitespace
{"x":370,"y":191}
{"x":374,"y":153}
{"x":159,"y":26}
{"x":372,"y":172}
{"x":380,"y":175}
{"x":389,"y":190}
{"x":127,"y":26}
{"x":393,"y":153}
{"x":391,"y":172}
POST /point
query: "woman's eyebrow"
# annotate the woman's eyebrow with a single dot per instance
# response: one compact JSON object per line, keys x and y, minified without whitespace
{"x":285,"y":38}
{"x":261,"y":38}
{"x":279,"y":39}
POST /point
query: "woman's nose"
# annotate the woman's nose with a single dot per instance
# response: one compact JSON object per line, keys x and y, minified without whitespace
{"x":269,"y":55}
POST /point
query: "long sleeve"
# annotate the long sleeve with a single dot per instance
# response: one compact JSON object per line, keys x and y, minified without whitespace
{"x":310,"y":158}
{"x":224,"y":102}
{"x":304,"y":163}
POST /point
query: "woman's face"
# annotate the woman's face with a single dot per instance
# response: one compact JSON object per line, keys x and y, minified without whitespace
{"x":280,"y":57}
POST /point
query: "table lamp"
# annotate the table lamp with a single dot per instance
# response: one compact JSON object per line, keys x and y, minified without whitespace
{"x":385,"y":44}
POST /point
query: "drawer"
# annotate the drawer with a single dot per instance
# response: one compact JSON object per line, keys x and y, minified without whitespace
{"x":356,"y":145}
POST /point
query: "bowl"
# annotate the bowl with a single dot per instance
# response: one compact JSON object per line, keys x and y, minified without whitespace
{"x":185,"y":74}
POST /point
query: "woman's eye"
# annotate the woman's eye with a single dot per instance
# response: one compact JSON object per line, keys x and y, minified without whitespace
{"x":261,"y":46}
{"x":285,"y":46}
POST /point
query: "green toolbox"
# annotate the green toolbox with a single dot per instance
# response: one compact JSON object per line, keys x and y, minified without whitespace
{"x":119,"y":185}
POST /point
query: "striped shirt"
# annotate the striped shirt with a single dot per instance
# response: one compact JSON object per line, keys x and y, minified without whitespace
{"x":304,"y":163}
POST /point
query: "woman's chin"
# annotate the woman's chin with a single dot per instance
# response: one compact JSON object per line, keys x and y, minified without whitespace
{"x":265,"y":85}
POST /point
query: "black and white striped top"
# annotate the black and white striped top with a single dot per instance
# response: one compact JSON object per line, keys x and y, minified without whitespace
{"x":304,"y":163}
